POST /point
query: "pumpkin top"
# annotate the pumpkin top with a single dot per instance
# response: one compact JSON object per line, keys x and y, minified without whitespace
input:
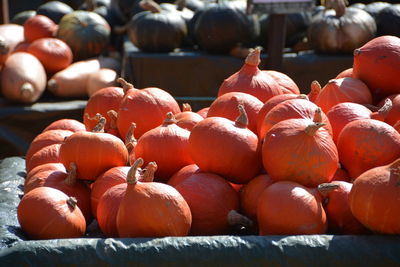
{"x":253,"y":58}
{"x":242,"y":120}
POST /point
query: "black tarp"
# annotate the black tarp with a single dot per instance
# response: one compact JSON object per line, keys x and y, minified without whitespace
{"x":229,"y":250}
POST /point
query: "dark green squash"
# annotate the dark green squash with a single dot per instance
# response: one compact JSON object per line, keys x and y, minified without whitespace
{"x":54,"y":10}
{"x":22,"y":16}
{"x":156,"y":30}
{"x":222,"y":26}
{"x":86,"y":32}
{"x":388,"y":21}
{"x":375,"y":7}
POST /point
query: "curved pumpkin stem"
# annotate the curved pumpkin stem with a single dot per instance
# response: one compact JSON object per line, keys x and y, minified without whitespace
{"x":125,"y":85}
{"x":313,"y":128}
{"x":382,"y":113}
{"x":113,"y":118}
{"x":150,"y":5}
{"x":71,"y":177}
{"x":303,"y":96}
{"x":253,"y":58}
{"x":170,"y":119}
{"x":130,"y":140}
{"x":132,"y":176}
{"x":318,"y":115}
{"x":338,"y":5}
{"x":186,"y":107}
{"x":242,"y":120}
{"x":150,"y":170}
{"x":325,"y":188}
{"x":99,"y":128}
{"x":315,"y":90}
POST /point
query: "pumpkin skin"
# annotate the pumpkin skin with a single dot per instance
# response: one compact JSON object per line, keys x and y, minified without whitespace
{"x":54,"y":10}
{"x":365,"y":144}
{"x":145,"y":107}
{"x":292,"y":109}
{"x":85,"y":32}
{"x":301,"y":151}
{"x":53,"y":53}
{"x":93,"y":153}
{"x":210,"y":198}
{"x":169,"y":214}
{"x":157,"y":30}
{"x":66,"y":124}
{"x":288,"y":86}
{"x":226,"y":106}
{"x":332,"y":32}
{"x":374,"y":198}
{"x":336,"y":205}
{"x":100,"y":79}
{"x":23,"y":78}
{"x":47,"y":154}
{"x":44,"y":213}
{"x":343,"y":90}
{"x":182,"y":174}
{"x":22,"y":16}
{"x":288,"y":208}
{"x":345,"y":73}
{"x":377,"y":64}
{"x":37,"y":27}
{"x":187,"y":119}
{"x":167,"y":145}
{"x":227,"y":148}
{"x":249,"y":194}
{"x":45,"y":167}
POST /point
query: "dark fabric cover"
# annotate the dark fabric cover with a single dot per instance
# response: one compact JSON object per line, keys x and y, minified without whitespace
{"x":229,"y":250}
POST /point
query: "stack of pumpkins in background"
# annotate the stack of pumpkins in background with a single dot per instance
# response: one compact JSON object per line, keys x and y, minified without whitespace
{"x":262,"y":158}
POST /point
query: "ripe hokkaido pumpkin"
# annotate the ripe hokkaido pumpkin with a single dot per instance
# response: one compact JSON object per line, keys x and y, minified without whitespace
{"x":66,"y":124}
{"x":37,"y":27}
{"x":288,"y":208}
{"x":93,"y":152}
{"x":152,"y":209}
{"x":187,"y":119}
{"x":367,"y":143}
{"x":182,"y":174}
{"x":377,"y":64}
{"x":48,"y":213}
{"x":146,"y":108}
{"x":227,"y":148}
{"x":374,"y":198}
{"x":167,"y":145}
{"x":336,"y":205}
{"x":251,"y":80}
{"x":210,"y":198}
{"x":45,"y":155}
{"x":301,"y":151}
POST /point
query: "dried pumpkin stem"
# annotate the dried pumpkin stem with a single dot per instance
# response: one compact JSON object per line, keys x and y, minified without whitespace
{"x":186,"y":107}
{"x":318,"y":115}
{"x":130,"y":136}
{"x":125,"y":85}
{"x":237,"y":219}
{"x":302,"y":96}
{"x":71,"y":177}
{"x":99,"y":128}
{"x":72,"y":202}
{"x":132,"y":176}
{"x":113,"y":118}
{"x":315,"y":90}
{"x":150,"y":5}
{"x":148,"y":174}
{"x":325,"y":188}
{"x":91,"y":5}
{"x":338,"y":5}
{"x":313,"y":128}
{"x":253,"y":58}
{"x":242,"y":120}
{"x":170,"y":119}
{"x":385,"y":109}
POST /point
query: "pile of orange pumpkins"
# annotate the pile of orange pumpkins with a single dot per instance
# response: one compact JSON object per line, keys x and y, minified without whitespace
{"x":262,"y":157}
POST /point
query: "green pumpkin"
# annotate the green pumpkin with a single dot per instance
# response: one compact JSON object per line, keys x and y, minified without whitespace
{"x":86,"y":32}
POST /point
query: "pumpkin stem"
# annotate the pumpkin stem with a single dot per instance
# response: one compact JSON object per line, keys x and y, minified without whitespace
{"x":150,"y":5}
{"x":313,"y":128}
{"x":315,"y":90}
{"x":113,"y":118}
{"x":318,"y":115}
{"x":121,"y":29}
{"x":303,"y":96}
{"x":91,"y":5}
{"x":180,"y":4}
{"x":125,"y":85}
{"x":186,"y":107}
{"x":325,"y":188}
{"x":253,"y":58}
{"x":132,"y":176}
{"x":71,"y":177}
{"x":382,"y":113}
{"x":148,"y":174}
{"x":94,"y":118}
{"x":242,"y":120}
{"x":130,"y":140}
{"x":99,"y":128}
{"x":238,"y":220}
{"x":338,"y":5}
{"x":72,"y":202}
{"x":170,"y":119}
{"x":27,"y":90}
